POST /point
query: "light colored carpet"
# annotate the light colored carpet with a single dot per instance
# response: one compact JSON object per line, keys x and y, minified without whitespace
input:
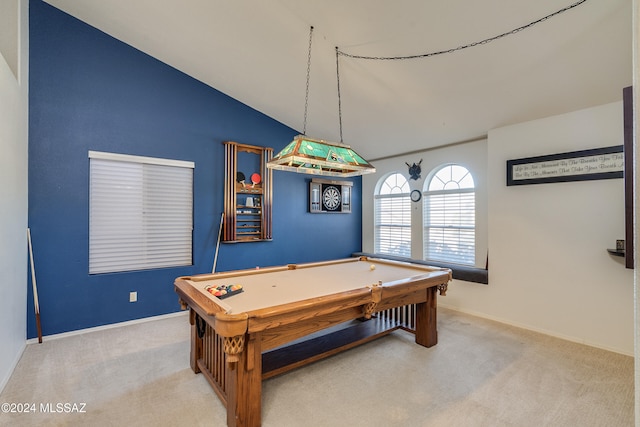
{"x":481,"y":373}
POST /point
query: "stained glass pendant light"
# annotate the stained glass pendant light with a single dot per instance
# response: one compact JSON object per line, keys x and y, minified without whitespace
{"x":316,"y":156}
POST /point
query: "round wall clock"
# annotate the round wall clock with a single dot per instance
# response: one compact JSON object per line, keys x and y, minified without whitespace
{"x":416,"y":195}
{"x":331,"y":198}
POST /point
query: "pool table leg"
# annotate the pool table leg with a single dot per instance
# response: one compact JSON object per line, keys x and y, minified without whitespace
{"x":244,"y":387}
{"x":196,"y":342}
{"x":426,"y":319}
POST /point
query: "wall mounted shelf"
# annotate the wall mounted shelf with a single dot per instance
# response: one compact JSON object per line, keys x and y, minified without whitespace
{"x":247,"y":193}
{"x":616,"y":252}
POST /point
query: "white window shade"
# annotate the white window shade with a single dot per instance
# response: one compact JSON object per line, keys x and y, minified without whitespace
{"x":450,"y":227}
{"x":393,"y":217}
{"x":450,"y":216}
{"x":393,"y":225}
{"x":140,"y":213}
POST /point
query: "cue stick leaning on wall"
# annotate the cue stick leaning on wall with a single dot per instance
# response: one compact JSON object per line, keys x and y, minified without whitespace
{"x":36,"y":304}
{"x":215,"y":257}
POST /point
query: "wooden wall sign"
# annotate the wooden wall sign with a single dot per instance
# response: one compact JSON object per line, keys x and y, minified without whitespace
{"x":584,"y":165}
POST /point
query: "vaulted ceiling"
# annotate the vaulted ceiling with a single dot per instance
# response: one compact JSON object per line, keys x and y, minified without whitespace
{"x":256,"y":52}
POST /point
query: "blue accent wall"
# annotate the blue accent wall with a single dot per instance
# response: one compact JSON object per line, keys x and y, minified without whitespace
{"x":89,"y":91}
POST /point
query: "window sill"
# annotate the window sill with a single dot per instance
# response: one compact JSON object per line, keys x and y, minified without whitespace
{"x":460,"y":272}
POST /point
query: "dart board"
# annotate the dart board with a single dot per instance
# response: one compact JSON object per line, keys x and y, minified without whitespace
{"x":331,"y":197}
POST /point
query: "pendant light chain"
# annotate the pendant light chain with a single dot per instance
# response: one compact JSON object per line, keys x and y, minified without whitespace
{"x":316,"y":156}
{"x":478,"y":43}
{"x":306,"y":97}
{"x":339,"y":100}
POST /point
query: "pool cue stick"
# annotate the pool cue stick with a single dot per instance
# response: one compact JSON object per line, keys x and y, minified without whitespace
{"x":215,"y":258}
{"x":36,"y":304}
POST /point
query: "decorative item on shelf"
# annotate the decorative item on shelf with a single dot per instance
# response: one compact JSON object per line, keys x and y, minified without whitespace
{"x":240,"y":178}
{"x":326,"y":196}
{"x":317,"y":156}
{"x":414,"y":170}
{"x":620,"y":245}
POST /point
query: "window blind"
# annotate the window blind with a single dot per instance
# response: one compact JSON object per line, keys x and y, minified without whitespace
{"x":140,"y":213}
{"x":449,"y":226}
{"x":393,"y":225}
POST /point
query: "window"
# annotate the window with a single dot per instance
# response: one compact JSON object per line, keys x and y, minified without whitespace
{"x":393,"y":217}
{"x":449,"y":216}
{"x":140,"y":213}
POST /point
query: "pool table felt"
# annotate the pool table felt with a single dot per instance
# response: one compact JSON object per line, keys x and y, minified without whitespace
{"x":272,"y":288}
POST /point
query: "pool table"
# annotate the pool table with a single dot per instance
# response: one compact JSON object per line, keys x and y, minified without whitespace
{"x":289,"y":316}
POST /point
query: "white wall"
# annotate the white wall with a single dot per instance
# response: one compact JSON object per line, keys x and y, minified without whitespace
{"x":548,"y":266}
{"x":549,"y":270}
{"x":472,"y":155}
{"x":13,"y":194}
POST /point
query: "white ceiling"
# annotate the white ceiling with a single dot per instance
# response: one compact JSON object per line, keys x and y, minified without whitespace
{"x":256,"y":52}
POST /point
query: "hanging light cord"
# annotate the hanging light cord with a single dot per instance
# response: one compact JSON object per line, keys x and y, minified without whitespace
{"x":306,"y":96}
{"x":466,"y":46}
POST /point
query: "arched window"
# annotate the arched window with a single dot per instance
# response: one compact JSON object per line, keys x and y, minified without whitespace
{"x":393,"y":216}
{"x":449,"y":216}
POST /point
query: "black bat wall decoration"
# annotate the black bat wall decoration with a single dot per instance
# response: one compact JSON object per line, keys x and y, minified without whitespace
{"x":414,"y":170}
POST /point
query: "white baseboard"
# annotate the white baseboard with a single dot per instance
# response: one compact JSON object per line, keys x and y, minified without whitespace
{"x":12,"y":368}
{"x":184,"y":313}
{"x":105,"y":327}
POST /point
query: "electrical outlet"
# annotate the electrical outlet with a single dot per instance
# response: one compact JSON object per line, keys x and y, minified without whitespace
{"x":133,"y":296}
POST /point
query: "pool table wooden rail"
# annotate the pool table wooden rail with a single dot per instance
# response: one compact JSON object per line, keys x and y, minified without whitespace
{"x":335,"y":307}
{"x":235,"y":352}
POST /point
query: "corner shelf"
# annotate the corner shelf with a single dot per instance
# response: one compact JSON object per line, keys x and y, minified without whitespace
{"x":616,"y":252}
{"x":247,"y":205}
